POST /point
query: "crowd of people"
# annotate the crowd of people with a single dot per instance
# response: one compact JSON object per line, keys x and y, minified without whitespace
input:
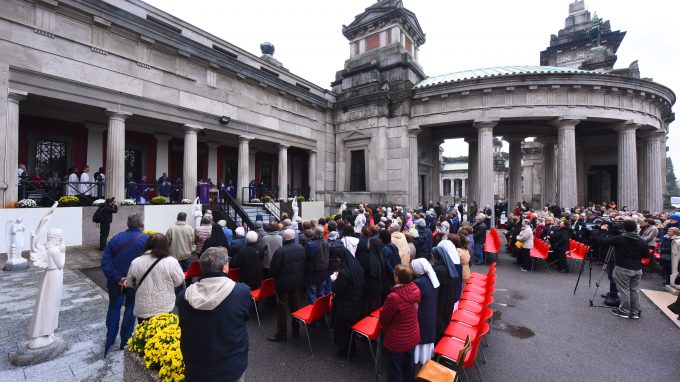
{"x":412,"y":265}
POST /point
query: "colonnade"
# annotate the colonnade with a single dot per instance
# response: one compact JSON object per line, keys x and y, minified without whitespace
{"x":563,"y":170}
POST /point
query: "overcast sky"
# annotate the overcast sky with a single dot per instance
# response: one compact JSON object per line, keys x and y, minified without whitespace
{"x":460,"y":35}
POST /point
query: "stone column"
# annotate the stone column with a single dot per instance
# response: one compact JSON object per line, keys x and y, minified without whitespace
{"x":665,"y":198}
{"x":485,"y":176}
{"x":312,"y":174}
{"x":581,"y":176}
{"x":243,"y":168}
{"x":642,"y":172}
{"x":549,"y":180}
{"x":473,"y":153}
{"x":162,"y":154}
{"x":283,"y":172}
{"x":436,"y":171}
{"x":567,"y":180}
{"x":212,"y":161}
{"x":413,"y":177}
{"x":515,"y":183}
{"x":190,"y":164}
{"x":11,"y":161}
{"x":95,"y":145}
{"x":627,"y":166}
{"x":115,"y":155}
{"x":654,"y":171}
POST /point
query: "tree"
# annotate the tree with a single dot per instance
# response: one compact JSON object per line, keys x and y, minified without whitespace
{"x":671,"y":181}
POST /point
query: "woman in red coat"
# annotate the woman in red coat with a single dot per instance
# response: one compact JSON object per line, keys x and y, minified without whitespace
{"x":399,"y":321}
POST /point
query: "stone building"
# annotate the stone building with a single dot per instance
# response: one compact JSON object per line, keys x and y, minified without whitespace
{"x":121,"y":84}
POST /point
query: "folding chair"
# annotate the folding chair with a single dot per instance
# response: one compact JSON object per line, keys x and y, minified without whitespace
{"x":267,"y":289}
{"x":234,"y":274}
{"x":311,"y":313}
{"x":454,"y":351}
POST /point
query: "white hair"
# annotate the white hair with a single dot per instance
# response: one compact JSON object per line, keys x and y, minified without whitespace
{"x":251,"y":237}
{"x":240,"y":231}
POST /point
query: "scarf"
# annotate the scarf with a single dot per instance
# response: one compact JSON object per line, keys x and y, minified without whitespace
{"x":422,"y":266}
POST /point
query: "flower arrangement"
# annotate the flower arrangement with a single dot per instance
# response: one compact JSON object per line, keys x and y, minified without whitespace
{"x":127,"y":202}
{"x":98,"y":202}
{"x":159,"y":200}
{"x":187,"y":201}
{"x":69,"y":201}
{"x":255,"y":200}
{"x":157,"y":340}
{"x":266,"y":199}
{"x":26,"y":203}
{"x":300,"y":198}
{"x":149,"y":232}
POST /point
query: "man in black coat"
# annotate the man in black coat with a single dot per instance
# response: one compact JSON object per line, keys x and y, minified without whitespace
{"x":288,"y":270}
{"x":479,"y":235}
{"x":248,"y":261}
{"x":212,"y":317}
{"x":559,"y":242}
{"x":106,"y":212}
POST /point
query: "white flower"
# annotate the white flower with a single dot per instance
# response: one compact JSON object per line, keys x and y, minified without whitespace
{"x":128,"y":202}
{"x":98,"y":202}
{"x":255,"y":200}
{"x":187,"y":201}
{"x":26,"y":203}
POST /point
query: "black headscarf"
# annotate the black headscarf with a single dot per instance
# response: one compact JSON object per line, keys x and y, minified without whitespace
{"x":376,"y":267}
{"x":441,"y":256}
{"x":217,"y":238}
{"x":350,"y":267}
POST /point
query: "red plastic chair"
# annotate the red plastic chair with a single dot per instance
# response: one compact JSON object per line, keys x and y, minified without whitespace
{"x":311,"y":313}
{"x":193,"y":271}
{"x":474,"y":307}
{"x":234,"y":274}
{"x":449,"y":347}
{"x":376,"y":313}
{"x":539,"y":251}
{"x":369,"y":328}
{"x":267,"y":289}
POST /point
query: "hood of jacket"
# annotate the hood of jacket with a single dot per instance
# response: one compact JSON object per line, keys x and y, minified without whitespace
{"x":209,"y":292}
{"x":408,"y":292}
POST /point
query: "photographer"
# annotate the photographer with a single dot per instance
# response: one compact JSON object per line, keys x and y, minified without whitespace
{"x":105,"y":213}
{"x":630,"y":249}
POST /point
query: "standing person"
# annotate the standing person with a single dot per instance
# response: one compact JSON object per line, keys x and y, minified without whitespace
{"x":630,"y":248}
{"x":347,"y":291}
{"x":674,"y":234}
{"x":399,"y":241}
{"x":106,"y":212}
{"x":316,"y":264}
{"x":118,"y":255}
{"x":164,"y":185}
{"x":349,"y":240}
{"x":228,"y":233}
{"x":154,"y":276}
{"x":71,"y":186}
{"x":216,"y":239}
{"x":238,"y":241}
{"x":464,"y":254}
{"x":202,"y":233}
{"x":359,"y":221}
{"x":426,"y":280}
{"x":446,"y":293}
{"x":472,"y":212}
{"x":487,"y":216}
{"x":424,"y":248}
{"x":526,"y":237}
{"x":479,"y":234}
{"x":271,"y":242}
{"x":212,"y":319}
{"x":85,"y":188}
{"x":100,"y":178}
{"x":559,"y":242}
{"x":399,"y":322}
{"x":180,"y":238}
{"x":391,"y":258}
{"x":374,"y":273}
{"x":247,"y":260}
{"x":288,"y":270}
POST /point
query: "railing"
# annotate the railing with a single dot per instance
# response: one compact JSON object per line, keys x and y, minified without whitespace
{"x":273,"y":209}
{"x":46,"y":192}
{"x":249,"y":193}
{"x":234,"y":211}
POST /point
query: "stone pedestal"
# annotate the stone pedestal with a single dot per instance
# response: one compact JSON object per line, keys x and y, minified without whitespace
{"x":26,"y":356}
{"x":17,"y":264}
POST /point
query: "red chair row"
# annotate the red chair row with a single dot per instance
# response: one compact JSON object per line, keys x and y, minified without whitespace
{"x":493,"y":241}
{"x":539,"y":251}
{"x":195,"y":271}
{"x":469,"y":323}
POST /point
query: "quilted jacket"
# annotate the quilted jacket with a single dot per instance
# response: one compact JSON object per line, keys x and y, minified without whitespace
{"x":156,"y":295}
{"x":399,"y":318}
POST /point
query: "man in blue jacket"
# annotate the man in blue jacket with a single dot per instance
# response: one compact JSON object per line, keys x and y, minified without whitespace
{"x":118,"y":254}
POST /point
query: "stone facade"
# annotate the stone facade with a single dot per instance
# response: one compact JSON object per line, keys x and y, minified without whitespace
{"x":119,"y":77}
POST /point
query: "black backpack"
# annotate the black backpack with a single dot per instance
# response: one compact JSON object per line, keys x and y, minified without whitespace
{"x":98,"y":215}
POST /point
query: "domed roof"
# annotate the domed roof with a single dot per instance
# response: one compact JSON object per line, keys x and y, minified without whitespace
{"x":498,"y":71}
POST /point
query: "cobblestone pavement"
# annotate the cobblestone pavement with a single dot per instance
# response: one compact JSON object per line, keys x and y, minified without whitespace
{"x":81,"y":324}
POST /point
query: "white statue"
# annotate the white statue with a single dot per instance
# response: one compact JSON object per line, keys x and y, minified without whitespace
{"x":51,"y":256}
{"x":296,"y":209}
{"x":198,"y":214}
{"x":343,"y":207}
{"x":14,"y":231}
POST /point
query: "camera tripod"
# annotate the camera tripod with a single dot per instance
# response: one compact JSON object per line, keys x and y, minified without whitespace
{"x":589,"y":259}
{"x":607,"y":263}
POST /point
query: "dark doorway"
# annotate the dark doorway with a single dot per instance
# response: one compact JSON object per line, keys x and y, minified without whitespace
{"x":422,"y":191}
{"x":133,"y":162}
{"x":266,"y":175}
{"x":603,"y":184}
{"x":357,"y":180}
{"x":230,"y":171}
{"x":50,"y":156}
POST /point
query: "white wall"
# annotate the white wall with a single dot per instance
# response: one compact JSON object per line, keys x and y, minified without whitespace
{"x":312,"y":210}
{"x":160,"y":218}
{"x":69,"y":219}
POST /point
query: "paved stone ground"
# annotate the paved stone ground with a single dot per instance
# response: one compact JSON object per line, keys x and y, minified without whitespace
{"x":541,"y":332}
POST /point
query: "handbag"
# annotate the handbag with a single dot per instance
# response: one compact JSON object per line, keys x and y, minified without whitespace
{"x":519,"y":244}
{"x":435,"y":372}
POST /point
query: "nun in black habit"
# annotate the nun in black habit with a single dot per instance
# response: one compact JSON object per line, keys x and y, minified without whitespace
{"x":448,"y":291}
{"x":347,"y":292}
